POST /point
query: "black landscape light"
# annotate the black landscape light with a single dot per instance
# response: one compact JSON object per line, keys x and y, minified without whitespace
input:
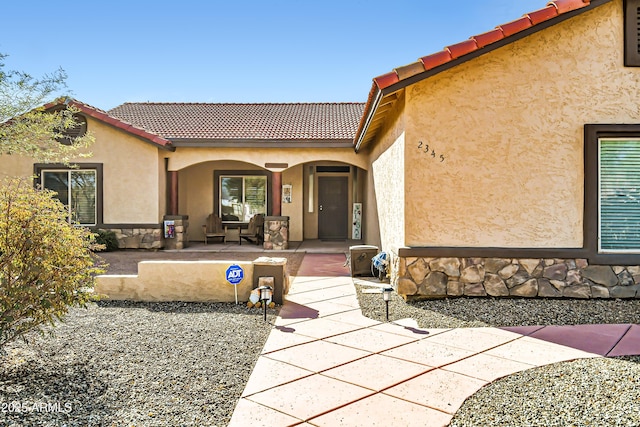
{"x":386,"y":295}
{"x":266,"y":292}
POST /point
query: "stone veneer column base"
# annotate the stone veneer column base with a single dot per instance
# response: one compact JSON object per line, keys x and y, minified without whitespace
{"x":276,"y":232}
{"x":181,"y":224}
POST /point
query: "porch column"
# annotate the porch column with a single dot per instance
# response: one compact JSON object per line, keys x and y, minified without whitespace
{"x":276,"y":190}
{"x":173,"y":192}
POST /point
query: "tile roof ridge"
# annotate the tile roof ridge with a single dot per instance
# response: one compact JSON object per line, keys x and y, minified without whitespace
{"x":239,"y":103}
{"x":67,"y":100}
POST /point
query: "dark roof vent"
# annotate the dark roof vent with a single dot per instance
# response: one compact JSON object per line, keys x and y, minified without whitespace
{"x":69,"y":134}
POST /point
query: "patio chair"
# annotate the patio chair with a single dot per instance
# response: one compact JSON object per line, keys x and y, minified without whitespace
{"x":255,"y":231}
{"x":213,"y":229}
{"x":260,"y":229}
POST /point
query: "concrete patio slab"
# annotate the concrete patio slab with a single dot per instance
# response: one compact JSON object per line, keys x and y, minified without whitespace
{"x":375,"y":411}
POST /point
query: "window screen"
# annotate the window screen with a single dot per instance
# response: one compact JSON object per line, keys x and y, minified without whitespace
{"x":619,"y":195}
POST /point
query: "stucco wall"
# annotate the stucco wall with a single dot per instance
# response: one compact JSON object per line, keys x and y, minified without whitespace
{"x":194,"y":281}
{"x":162,"y":184}
{"x":387,"y":202}
{"x":510,"y":128}
{"x":14,"y":166}
{"x":131,"y":176}
{"x":365,"y":194}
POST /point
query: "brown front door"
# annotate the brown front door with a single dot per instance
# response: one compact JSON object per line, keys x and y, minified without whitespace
{"x":333,"y":200}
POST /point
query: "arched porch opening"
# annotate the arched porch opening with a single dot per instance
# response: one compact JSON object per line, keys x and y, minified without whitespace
{"x":233,"y":190}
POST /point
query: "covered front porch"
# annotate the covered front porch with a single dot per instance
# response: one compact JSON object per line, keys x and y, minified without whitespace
{"x":322,"y":200}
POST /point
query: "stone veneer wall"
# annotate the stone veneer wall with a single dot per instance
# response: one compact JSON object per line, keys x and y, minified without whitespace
{"x":424,"y":278}
{"x":138,"y":238}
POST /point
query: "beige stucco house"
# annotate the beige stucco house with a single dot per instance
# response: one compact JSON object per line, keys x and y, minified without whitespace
{"x":504,"y":165}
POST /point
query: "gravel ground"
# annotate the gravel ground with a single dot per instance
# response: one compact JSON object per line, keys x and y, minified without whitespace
{"x":478,"y":312}
{"x":586,"y":392}
{"x":134,"y":364}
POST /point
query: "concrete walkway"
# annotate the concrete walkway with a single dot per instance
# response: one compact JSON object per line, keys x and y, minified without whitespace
{"x":325,"y":364}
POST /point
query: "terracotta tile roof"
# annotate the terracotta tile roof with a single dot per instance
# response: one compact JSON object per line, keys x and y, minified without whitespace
{"x":247,"y":122}
{"x":105,"y":117}
{"x":429,"y":65}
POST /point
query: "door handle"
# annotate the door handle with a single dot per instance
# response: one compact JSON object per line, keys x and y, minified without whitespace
{"x":320,"y":207}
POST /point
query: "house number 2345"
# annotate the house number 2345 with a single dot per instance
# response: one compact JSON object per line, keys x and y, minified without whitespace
{"x":429,"y":151}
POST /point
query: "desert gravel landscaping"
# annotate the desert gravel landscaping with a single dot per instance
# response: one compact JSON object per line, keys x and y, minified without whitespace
{"x":134,"y":364}
{"x":186,"y":364}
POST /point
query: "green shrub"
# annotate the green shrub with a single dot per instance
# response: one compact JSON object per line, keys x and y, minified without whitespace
{"x":107,"y":240}
{"x":46,"y":264}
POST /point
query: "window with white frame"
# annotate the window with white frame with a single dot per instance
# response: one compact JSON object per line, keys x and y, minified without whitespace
{"x":619,"y":195}
{"x":242,"y":197}
{"x":77,"y":190}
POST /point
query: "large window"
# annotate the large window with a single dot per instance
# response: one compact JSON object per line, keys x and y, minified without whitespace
{"x":619,"y":195}
{"x":612,"y":194}
{"x":76,"y":189}
{"x":241,"y":197}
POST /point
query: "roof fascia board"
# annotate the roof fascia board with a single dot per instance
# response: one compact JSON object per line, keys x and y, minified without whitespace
{"x":370,"y":114}
{"x":260,"y":143}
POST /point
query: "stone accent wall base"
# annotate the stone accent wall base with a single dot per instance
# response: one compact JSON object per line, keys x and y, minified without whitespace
{"x":427,"y":278}
{"x":138,"y":238}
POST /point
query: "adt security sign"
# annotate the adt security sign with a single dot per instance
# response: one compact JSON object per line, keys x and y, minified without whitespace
{"x":235,"y":274}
